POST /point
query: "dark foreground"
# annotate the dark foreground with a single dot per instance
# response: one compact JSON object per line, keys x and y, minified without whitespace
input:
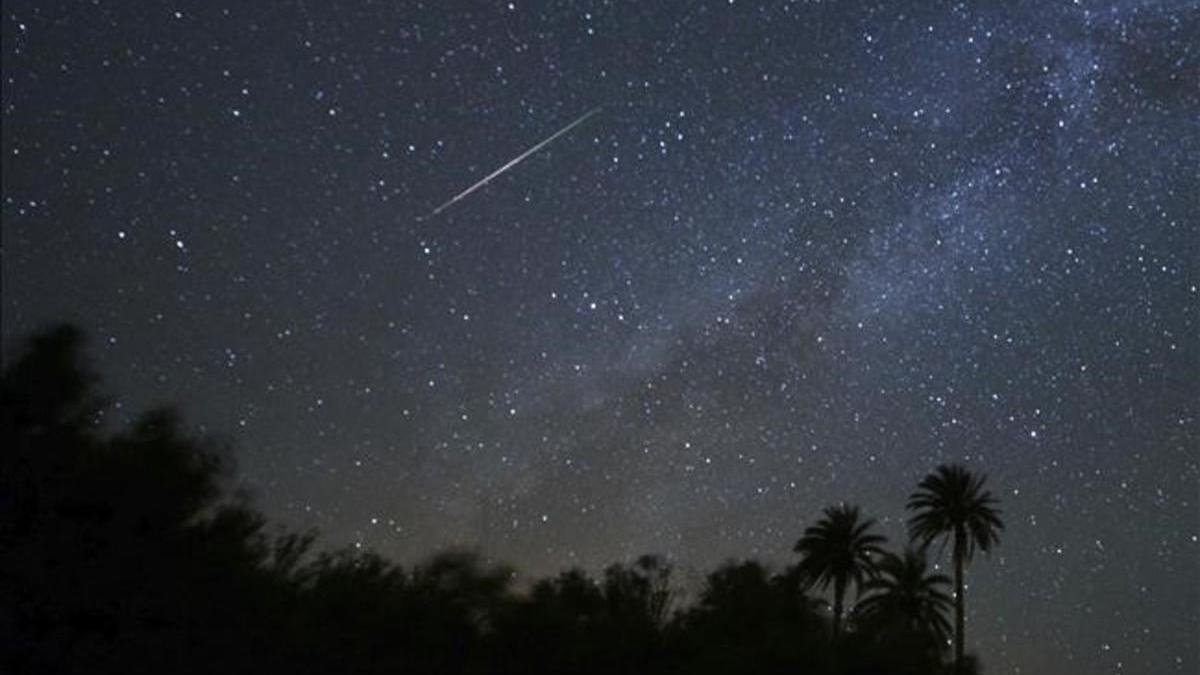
{"x":121,"y":552}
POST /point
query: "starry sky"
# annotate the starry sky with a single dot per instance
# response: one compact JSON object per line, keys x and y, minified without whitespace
{"x":803,"y":253}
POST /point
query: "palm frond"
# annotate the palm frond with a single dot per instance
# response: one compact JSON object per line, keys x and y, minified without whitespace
{"x":953,"y":499}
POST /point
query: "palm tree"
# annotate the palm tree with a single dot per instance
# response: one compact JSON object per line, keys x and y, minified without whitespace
{"x":839,"y":549}
{"x":906,"y":596}
{"x":951,"y":503}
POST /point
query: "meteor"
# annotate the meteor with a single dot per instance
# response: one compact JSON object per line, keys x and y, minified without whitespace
{"x":516,"y":160}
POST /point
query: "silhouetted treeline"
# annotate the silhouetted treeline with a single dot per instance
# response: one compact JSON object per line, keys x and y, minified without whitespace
{"x":123,"y":552}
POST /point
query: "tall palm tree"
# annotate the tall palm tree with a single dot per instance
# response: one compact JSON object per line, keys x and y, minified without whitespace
{"x":950,"y":503}
{"x":839,"y":549}
{"x":906,"y":596}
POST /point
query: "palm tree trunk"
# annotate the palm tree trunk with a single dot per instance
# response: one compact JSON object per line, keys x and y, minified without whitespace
{"x":839,"y":590}
{"x":959,"y":623}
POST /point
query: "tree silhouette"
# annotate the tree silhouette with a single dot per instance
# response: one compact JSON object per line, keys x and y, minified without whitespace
{"x":50,"y":389}
{"x":123,"y":550}
{"x":745,"y":615}
{"x":559,"y":624}
{"x":120,"y":552}
{"x":574,"y":624}
{"x":839,"y":549}
{"x":907,"y":599}
{"x":640,"y":593}
{"x":950,"y":502}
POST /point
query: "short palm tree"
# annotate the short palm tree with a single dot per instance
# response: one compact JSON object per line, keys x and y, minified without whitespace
{"x":839,"y":549}
{"x":951,"y":503}
{"x":906,"y":596}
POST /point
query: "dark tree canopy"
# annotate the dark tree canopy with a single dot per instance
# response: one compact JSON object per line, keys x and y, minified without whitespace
{"x":124,"y":551}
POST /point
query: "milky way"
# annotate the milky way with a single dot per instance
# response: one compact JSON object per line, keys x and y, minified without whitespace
{"x":807,"y":252}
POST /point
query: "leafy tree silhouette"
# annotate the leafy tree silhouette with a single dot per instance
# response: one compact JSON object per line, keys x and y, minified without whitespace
{"x":640,"y":594}
{"x":906,"y":595}
{"x":559,"y":624}
{"x":359,"y":602}
{"x":361,"y":613}
{"x":638,"y":600}
{"x":120,"y":552}
{"x":839,"y":549}
{"x":951,"y":502}
{"x":906,"y":606}
{"x":580,"y":625}
{"x":51,"y":389}
{"x":746,"y":615}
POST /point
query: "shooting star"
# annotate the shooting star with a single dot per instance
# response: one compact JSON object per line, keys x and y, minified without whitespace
{"x":515,"y":161}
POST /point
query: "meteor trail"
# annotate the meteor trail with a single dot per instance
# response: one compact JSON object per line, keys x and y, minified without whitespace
{"x":514,"y":162}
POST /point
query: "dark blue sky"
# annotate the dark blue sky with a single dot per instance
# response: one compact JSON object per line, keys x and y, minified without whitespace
{"x":804,"y":253}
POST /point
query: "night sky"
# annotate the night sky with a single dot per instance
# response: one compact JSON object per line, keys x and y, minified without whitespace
{"x":803,"y":253}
